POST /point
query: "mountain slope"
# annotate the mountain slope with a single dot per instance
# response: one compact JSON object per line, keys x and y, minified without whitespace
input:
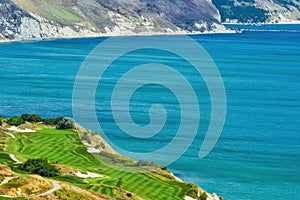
{"x":26,"y":19}
{"x":259,"y":11}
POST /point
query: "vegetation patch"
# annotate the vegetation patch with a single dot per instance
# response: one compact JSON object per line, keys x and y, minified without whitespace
{"x":39,"y":166}
{"x":15,"y":121}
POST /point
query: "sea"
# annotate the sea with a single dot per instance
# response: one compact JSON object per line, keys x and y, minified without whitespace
{"x":258,"y":153}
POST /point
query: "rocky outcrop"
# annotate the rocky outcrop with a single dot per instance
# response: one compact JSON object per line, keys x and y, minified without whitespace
{"x":281,"y":11}
{"x":15,"y":23}
{"x":259,"y":11}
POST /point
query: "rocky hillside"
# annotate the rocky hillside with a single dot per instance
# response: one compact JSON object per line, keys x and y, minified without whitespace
{"x":38,"y":19}
{"x":27,"y":19}
{"x":259,"y":11}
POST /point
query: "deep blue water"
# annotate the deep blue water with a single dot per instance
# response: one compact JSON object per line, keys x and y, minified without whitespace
{"x":258,"y":154}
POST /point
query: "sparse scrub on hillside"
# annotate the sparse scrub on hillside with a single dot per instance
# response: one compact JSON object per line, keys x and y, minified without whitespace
{"x":117,"y":159}
{"x":64,"y":193}
{"x":192,"y":190}
{"x":203,"y":196}
{"x":143,"y":163}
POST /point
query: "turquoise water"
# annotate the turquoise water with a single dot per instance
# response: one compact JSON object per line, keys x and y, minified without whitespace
{"x":258,"y":154}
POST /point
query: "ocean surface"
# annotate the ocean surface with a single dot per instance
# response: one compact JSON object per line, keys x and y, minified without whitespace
{"x":258,"y":153}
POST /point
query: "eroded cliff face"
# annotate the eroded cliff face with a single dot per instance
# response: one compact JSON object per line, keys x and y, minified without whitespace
{"x":15,"y":23}
{"x":281,"y":11}
{"x":37,"y":19}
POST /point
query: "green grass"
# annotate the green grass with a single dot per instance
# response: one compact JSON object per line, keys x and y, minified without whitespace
{"x":6,"y":198}
{"x":66,"y":148}
{"x":5,"y":159}
{"x":51,"y":11}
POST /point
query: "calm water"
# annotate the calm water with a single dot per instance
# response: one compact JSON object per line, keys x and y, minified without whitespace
{"x":258,"y":154}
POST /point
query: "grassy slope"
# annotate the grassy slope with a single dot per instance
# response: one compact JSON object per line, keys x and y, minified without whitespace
{"x":51,"y":10}
{"x":66,"y":148}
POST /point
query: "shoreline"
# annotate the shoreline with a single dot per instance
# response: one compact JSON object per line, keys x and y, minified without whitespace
{"x":143,"y":34}
{"x":262,"y":24}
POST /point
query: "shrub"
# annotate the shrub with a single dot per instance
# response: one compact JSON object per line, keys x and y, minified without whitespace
{"x":39,"y":166}
{"x":0,"y":121}
{"x":129,"y":195}
{"x":192,"y":190}
{"x":203,"y":196}
{"x":117,"y":159}
{"x":86,"y":137}
{"x":15,"y":121}
{"x":31,"y":118}
{"x":142,"y":163}
{"x":119,"y":183}
{"x":65,"y":123}
{"x":53,"y":121}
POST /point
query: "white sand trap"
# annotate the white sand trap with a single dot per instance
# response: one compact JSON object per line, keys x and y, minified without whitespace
{"x":10,"y":134}
{"x":12,"y":156}
{"x":93,"y":150}
{"x":88,"y":175}
{"x":16,"y":129}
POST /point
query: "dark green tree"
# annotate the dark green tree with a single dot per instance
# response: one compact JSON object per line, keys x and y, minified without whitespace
{"x":39,"y":166}
{"x":31,"y":118}
{"x":15,"y":121}
{"x":53,"y":121}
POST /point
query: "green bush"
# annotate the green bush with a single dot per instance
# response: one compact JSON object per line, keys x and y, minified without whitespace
{"x":203,"y":196}
{"x":31,"y":118}
{"x":39,"y":166}
{"x":15,"y":121}
{"x":1,"y":121}
{"x":65,"y":123}
{"x":192,"y":190}
{"x":53,"y":121}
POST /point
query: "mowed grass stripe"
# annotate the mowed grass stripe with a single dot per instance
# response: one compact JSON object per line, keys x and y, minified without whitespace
{"x":66,"y":148}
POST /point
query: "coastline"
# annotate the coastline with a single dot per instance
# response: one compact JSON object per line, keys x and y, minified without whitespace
{"x":129,"y":34}
{"x":262,"y":24}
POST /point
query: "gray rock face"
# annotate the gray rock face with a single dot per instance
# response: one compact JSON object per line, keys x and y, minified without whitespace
{"x":16,"y":23}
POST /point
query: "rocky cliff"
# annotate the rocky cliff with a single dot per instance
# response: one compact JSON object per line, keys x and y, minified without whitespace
{"x":30,"y":19}
{"x":259,"y":11}
{"x":38,"y":19}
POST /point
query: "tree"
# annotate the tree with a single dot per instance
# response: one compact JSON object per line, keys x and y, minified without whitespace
{"x":65,"y":123}
{"x":39,"y":166}
{"x":31,"y":118}
{"x":53,"y":121}
{"x":15,"y":121}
